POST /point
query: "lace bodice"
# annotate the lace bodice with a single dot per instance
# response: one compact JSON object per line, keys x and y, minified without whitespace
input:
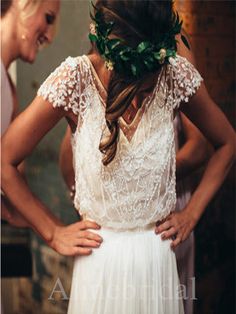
{"x":138,"y":186}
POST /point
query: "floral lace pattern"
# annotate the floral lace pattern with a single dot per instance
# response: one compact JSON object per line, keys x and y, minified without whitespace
{"x":138,"y":187}
{"x":185,"y":80}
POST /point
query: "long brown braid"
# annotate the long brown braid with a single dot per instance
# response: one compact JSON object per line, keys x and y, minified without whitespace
{"x":134,"y":21}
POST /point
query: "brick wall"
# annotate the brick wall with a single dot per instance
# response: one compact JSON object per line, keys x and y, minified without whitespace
{"x":211,"y":26}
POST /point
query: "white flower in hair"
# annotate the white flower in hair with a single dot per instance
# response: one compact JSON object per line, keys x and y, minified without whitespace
{"x":109,"y":65}
{"x":92,"y":28}
{"x":162,"y":55}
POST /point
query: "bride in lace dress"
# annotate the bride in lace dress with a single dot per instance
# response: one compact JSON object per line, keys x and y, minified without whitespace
{"x":124,"y":159}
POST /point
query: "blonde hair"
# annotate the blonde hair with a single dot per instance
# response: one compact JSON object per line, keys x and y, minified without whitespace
{"x":26,"y":7}
{"x":29,"y":7}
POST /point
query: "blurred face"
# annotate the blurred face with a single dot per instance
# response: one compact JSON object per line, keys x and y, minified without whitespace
{"x":37,"y":29}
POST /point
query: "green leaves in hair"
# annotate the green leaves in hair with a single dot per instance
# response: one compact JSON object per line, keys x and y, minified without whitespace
{"x":146,"y":57}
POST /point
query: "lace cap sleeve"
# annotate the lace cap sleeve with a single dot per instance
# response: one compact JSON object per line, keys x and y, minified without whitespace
{"x":62,"y":87}
{"x":186,"y":80}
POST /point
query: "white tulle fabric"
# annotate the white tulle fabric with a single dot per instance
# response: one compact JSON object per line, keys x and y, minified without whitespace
{"x":131,"y":273}
{"x":129,"y":195}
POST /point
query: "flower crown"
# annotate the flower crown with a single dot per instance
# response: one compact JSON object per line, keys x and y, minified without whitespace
{"x":134,"y":62}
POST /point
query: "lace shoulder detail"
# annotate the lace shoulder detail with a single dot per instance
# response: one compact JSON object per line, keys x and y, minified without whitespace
{"x":63,"y":86}
{"x":185,"y":80}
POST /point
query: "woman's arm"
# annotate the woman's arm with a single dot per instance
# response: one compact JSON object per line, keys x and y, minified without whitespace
{"x":195,"y":151}
{"x":18,"y":143}
{"x":8,"y":212}
{"x":207,"y":116}
{"x":66,"y":160}
{"x":211,"y":121}
{"x":11,"y":214}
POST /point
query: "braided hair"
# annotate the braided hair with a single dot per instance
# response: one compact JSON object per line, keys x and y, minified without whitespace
{"x":134,"y":21}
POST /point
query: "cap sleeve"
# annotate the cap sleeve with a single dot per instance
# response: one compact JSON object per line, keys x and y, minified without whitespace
{"x":186,"y":80}
{"x":62,"y":87}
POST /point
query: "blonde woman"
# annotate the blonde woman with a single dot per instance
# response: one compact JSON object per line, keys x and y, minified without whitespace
{"x":26,"y":26}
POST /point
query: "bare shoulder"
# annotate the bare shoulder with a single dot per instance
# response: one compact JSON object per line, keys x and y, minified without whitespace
{"x":183,"y":51}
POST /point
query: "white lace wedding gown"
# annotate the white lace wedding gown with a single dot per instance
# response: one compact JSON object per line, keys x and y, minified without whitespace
{"x":133,"y":271}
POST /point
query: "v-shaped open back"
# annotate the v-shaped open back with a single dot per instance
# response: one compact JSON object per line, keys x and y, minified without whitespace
{"x":128,"y":129}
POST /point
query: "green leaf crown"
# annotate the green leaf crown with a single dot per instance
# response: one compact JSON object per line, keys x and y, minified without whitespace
{"x":135,"y":62}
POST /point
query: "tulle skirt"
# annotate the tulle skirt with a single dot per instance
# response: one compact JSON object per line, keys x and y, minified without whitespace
{"x":132,"y":272}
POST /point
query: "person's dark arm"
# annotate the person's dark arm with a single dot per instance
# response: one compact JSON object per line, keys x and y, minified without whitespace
{"x":66,"y":161}
{"x":195,"y":151}
{"x":211,"y":121}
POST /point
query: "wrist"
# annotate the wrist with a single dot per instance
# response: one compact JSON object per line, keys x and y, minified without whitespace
{"x":53,"y":242}
{"x":193,"y":214}
{"x":49,"y":229}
